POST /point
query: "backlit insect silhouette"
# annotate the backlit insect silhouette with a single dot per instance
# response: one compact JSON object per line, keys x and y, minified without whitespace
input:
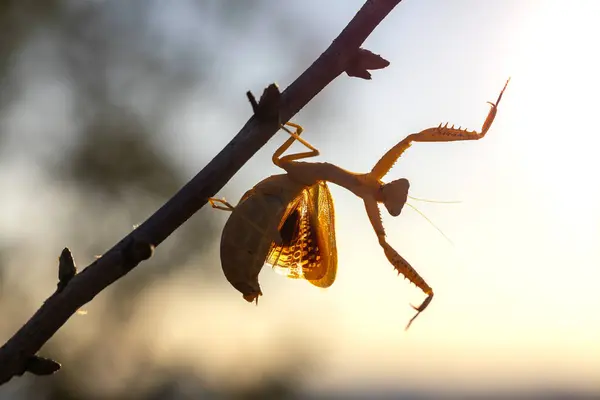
{"x":287,"y":220}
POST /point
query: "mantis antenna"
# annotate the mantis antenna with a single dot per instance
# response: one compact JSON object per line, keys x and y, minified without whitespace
{"x":431,"y":222}
{"x":435,"y":201}
{"x":425,"y":216}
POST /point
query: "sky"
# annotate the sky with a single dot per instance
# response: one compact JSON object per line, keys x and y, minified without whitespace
{"x":516,"y":302}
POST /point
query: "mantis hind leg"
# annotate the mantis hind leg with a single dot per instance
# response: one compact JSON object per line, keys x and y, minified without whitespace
{"x":226,"y":206}
{"x":295,"y":136}
{"x":273,"y":234}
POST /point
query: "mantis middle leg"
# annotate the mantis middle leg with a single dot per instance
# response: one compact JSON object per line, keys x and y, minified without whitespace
{"x":295,"y":135}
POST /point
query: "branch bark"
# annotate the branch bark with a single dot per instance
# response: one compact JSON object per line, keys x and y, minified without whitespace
{"x":344,"y":54}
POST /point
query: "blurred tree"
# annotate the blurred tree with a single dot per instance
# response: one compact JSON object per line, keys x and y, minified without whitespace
{"x":19,"y":20}
{"x":124,"y":78}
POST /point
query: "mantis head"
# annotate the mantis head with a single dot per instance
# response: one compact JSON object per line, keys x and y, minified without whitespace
{"x":394,"y":195}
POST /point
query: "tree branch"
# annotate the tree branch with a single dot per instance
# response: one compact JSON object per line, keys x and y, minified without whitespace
{"x":344,"y":54}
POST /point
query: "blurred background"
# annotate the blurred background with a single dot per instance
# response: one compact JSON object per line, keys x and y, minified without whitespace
{"x":108,"y":107}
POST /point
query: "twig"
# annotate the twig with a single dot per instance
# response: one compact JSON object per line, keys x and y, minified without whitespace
{"x":344,"y":54}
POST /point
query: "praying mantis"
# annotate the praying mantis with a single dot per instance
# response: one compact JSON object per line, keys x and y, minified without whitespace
{"x":287,"y":220}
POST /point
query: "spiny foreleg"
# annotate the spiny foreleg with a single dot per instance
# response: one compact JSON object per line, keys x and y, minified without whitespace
{"x":400,"y":264}
{"x":403,"y":267}
{"x":449,"y":134}
{"x":437,"y":134}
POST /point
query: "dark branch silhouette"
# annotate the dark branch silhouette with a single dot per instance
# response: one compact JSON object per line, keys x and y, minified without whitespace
{"x":18,"y":355}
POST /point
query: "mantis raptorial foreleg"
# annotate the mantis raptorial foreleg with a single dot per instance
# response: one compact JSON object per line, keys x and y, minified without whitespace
{"x":437,"y":134}
{"x":400,"y":264}
{"x":403,"y":267}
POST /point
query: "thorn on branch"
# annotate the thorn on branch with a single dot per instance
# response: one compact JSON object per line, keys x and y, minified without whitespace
{"x":37,"y":365}
{"x":66,"y":269}
{"x":136,"y":251}
{"x":363,"y":61}
{"x":267,"y":108}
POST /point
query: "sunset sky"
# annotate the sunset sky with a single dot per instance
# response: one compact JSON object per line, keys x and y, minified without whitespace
{"x":516,"y":300}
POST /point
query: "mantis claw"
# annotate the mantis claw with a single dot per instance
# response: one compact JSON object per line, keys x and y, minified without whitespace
{"x":419,"y":309}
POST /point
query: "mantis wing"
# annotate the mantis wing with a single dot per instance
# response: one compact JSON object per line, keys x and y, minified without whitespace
{"x":309,"y":249}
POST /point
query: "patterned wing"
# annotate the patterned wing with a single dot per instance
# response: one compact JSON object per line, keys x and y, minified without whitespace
{"x":308,"y":250}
